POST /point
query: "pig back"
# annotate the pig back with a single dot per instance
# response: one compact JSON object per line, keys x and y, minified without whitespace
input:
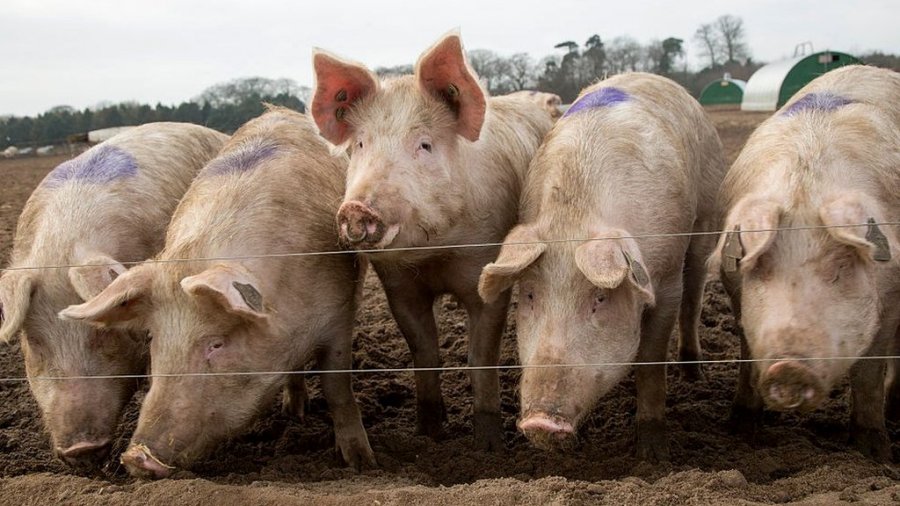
{"x":118,"y":196}
{"x":273,"y":190}
{"x":840,"y":132}
{"x":640,"y":151}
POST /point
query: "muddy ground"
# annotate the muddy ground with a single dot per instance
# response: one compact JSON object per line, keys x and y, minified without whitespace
{"x":794,"y":459}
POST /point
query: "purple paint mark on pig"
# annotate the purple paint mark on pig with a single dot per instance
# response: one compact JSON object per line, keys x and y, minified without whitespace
{"x":604,"y":97}
{"x":101,"y":165}
{"x":245,"y":158}
{"x":826,"y":102}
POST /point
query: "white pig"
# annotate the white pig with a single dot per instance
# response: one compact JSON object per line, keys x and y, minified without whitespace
{"x":549,"y":102}
{"x":108,"y":206}
{"x":273,"y":189}
{"x":634,"y":156}
{"x":434,"y":162}
{"x":829,"y":158}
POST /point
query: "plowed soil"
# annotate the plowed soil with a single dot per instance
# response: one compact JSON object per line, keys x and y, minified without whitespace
{"x":281,"y":460}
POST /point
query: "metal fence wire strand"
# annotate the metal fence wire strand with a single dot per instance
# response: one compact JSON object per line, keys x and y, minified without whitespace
{"x":449,"y":246}
{"x":449,"y":368}
{"x":395,"y":370}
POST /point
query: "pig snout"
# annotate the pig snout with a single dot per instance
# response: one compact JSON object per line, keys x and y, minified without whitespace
{"x":547,"y":431}
{"x":86,"y":454}
{"x":790,"y":384}
{"x":363,"y":227}
{"x":141,"y":463}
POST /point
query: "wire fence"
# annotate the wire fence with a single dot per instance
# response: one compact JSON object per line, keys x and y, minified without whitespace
{"x":448,"y":368}
{"x":446,"y":246}
{"x":461,"y":368}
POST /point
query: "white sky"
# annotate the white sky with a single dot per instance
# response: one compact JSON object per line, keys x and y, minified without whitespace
{"x":81,"y":52}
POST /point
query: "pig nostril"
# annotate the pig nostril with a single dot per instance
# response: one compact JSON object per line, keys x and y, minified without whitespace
{"x":355,"y":239}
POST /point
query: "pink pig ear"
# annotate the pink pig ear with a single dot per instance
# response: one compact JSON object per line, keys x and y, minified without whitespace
{"x":853,"y":209}
{"x":94,"y":274}
{"x":444,"y":73}
{"x":750,"y":230}
{"x":121,"y":304}
{"x":339,"y":85}
{"x":16,"y":289}
{"x":520,"y":249}
{"x":611,"y":259}
{"x":232,"y":288}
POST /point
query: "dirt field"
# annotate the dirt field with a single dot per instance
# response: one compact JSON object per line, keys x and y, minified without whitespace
{"x":794,"y":459}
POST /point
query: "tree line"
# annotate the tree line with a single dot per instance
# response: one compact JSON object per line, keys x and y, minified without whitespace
{"x":721,"y":45}
{"x":223,"y":107}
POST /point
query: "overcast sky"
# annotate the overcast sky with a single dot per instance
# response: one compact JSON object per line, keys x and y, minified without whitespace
{"x":82,"y":52}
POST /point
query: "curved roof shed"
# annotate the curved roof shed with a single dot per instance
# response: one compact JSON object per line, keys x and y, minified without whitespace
{"x":774,"y":84}
{"x":723,"y":91}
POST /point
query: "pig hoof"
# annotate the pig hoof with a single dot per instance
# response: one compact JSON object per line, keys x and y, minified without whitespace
{"x":356,"y":453}
{"x":872,"y":443}
{"x":651,"y":443}
{"x":692,"y":372}
{"x":488,"y":429}
{"x":430,"y":419}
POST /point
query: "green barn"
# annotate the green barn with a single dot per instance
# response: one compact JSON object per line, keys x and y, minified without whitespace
{"x":772,"y":85}
{"x":725,"y":91}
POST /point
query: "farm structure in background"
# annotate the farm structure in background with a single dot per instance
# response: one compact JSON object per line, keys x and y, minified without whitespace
{"x":723,"y":92}
{"x":773,"y":85}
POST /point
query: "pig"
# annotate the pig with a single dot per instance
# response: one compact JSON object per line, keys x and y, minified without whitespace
{"x":826,"y":161}
{"x":434,"y":163}
{"x":601,"y":258}
{"x":90,"y":217}
{"x":235,"y":308}
{"x":549,"y":102}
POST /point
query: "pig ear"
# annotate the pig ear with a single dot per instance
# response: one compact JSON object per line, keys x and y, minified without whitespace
{"x":850,"y":210}
{"x":16,"y":289}
{"x":339,"y":85}
{"x":520,"y":249}
{"x":119,"y":305}
{"x":749,"y":232}
{"x":95,"y":272}
{"x":610,"y":260}
{"x":232,"y":288}
{"x":444,"y":73}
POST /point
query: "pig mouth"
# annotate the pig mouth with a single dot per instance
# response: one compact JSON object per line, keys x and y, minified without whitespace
{"x":140,"y":462}
{"x":549,"y":432}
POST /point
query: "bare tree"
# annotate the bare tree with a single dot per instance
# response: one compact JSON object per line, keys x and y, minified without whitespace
{"x":707,"y":40}
{"x":396,"y":70}
{"x":521,"y":71}
{"x":731,"y":37}
{"x":623,"y":54}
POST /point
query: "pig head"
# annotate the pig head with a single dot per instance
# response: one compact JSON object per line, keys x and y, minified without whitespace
{"x":406,"y":180}
{"x":806,"y":294}
{"x":579,"y":306}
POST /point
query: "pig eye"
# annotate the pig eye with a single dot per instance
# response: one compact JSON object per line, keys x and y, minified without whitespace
{"x":599,"y":300}
{"x":426,"y":146}
{"x":359,"y":145}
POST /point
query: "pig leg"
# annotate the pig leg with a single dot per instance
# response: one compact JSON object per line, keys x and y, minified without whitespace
{"x":746,"y":409}
{"x":867,"y":429}
{"x":350,"y":437}
{"x":486,"y":323}
{"x":650,"y":426}
{"x":689,"y":349}
{"x":295,"y":398}
{"x":412,"y":307}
